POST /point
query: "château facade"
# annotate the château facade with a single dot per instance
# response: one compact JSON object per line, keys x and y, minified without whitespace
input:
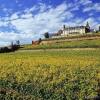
{"x":66,"y":31}
{"x":75,"y":30}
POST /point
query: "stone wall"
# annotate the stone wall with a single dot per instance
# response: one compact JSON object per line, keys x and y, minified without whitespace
{"x":89,"y":37}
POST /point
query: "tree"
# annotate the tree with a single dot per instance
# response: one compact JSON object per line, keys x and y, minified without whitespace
{"x":12,"y":44}
{"x":46,"y":35}
{"x":40,"y":40}
{"x":18,"y":42}
{"x":87,"y":25}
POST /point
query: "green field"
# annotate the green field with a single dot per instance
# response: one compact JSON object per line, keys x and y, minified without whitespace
{"x":71,"y":44}
{"x":49,"y":75}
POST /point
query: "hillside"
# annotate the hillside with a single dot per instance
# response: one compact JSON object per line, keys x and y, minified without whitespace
{"x":50,"y":74}
{"x":89,"y":41}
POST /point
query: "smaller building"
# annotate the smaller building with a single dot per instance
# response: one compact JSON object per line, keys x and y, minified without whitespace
{"x":57,"y":33}
{"x":35,"y":42}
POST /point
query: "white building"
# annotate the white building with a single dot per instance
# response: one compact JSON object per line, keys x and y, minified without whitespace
{"x":75,"y":30}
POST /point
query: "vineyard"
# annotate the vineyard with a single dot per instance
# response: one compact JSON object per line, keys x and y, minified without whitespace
{"x":50,"y":75}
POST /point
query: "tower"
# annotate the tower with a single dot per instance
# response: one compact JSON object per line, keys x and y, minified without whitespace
{"x":64,"y":26}
{"x":87,"y":25}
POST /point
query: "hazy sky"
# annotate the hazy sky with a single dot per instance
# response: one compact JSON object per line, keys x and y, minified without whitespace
{"x":25,"y":20}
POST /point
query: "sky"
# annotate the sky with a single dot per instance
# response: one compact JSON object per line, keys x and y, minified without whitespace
{"x":28,"y":20}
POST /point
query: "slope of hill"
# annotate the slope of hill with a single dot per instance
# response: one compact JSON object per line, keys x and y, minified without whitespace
{"x":95,"y":43}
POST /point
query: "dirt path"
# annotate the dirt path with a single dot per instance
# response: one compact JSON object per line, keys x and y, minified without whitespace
{"x":65,"y":49}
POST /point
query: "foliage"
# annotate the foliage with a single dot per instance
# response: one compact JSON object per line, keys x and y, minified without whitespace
{"x":49,"y":75}
{"x":46,"y":35}
{"x":39,"y":40}
{"x":18,"y":43}
{"x":11,"y":48}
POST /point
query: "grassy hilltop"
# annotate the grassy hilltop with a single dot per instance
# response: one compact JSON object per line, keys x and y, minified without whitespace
{"x":95,"y":43}
{"x":83,"y":41}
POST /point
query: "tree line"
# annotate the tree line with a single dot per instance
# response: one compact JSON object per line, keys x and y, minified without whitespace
{"x":13,"y":47}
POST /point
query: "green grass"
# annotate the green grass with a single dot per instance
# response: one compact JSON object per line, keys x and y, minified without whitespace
{"x":49,"y":75}
{"x":72,"y":44}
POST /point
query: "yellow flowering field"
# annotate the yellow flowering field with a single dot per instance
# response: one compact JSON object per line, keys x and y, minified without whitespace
{"x":49,"y":75}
